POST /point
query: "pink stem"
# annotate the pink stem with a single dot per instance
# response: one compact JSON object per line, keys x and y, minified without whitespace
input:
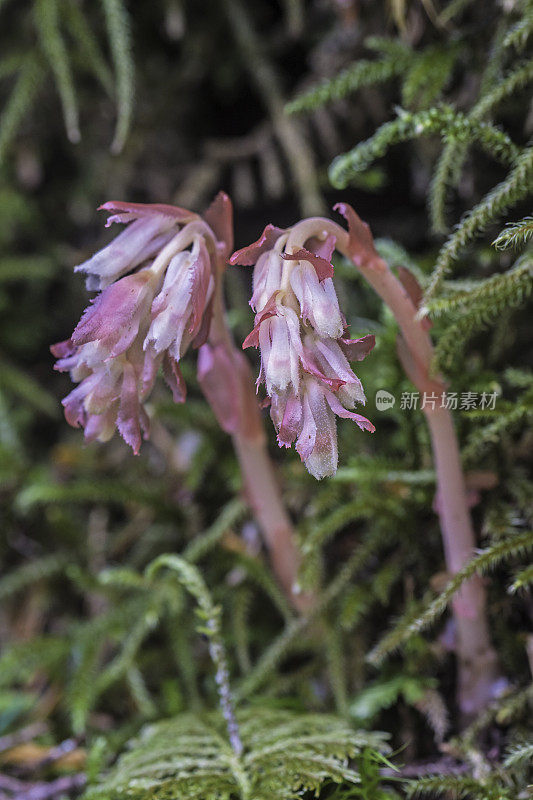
{"x":261,"y":487}
{"x":477,"y":661}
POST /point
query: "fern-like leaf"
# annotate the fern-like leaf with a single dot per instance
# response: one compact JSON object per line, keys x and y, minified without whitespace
{"x":523,"y":580}
{"x":449,"y":166}
{"x":519,"y":754}
{"x":189,"y":758}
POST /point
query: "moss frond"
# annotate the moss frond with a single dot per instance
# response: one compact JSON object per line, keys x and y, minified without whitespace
{"x":47,"y":22}
{"x":118,"y":29}
{"x":485,"y":560}
{"x":443,"y":121}
{"x":515,"y":234}
{"x":510,"y":191}
{"x":20,"y":101}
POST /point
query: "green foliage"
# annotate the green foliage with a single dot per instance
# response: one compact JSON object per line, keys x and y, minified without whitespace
{"x":52,"y":20}
{"x":446,"y":122}
{"x":362,"y":73}
{"x":285,"y":753}
{"x":120,"y":41}
{"x":97,"y":646}
{"x":522,"y":580}
{"x":26,"y":575}
{"x":506,"y":194}
{"x":47,"y":23}
{"x":21,"y":99}
{"x":519,"y":754}
{"x":428,"y":76}
{"x":449,"y":167}
{"x":487,"y":559}
{"x":385,"y":693}
{"x":515,"y":234}
{"x":459,"y":788}
{"x":90,"y":52}
{"x":477,"y":308}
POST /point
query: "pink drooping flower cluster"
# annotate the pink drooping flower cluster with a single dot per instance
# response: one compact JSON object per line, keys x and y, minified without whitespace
{"x":156,"y":281}
{"x":302,"y":337}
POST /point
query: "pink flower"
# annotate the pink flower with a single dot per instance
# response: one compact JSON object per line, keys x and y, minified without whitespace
{"x":178,"y":309}
{"x":150,"y":227}
{"x":142,"y":320}
{"x":301,"y":334}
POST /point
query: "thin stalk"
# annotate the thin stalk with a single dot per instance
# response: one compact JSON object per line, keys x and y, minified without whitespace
{"x":260,"y":485}
{"x":477,"y":667}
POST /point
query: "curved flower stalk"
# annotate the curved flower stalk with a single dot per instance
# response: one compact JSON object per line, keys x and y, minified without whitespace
{"x":156,"y":282}
{"x":478,"y":675}
{"x":302,"y":336}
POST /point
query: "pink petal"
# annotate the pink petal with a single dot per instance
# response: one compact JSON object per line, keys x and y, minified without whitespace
{"x":311,"y":366}
{"x":361,"y":242}
{"x":128,"y":422}
{"x":150,"y":366}
{"x":322,"y":267}
{"x":73,"y":404}
{"x":270,"y":310}
{"x":101,"y":426}
{"x":307,"y":437}
{"x":219,"y":217}
{"x":322,"y":460}
{"x":199,"y":293}
{"x":322,"y":247}
{"x":115,"y":315}
{"x":247,"y":256}
{"x":203,"y":331}
{"x":174,"y":378}
{"x":291,"y":423}
{"x":63,"y":349}
{"x":105,"y":389}
{"x":127,"y":212}
{"x":136,"y":244}
{"x":357,"y":349}
{"x":340,"y":411}
{"x":318,"y":301}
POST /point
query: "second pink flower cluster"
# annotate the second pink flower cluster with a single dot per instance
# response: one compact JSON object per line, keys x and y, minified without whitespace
{"x":302,"y":336}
